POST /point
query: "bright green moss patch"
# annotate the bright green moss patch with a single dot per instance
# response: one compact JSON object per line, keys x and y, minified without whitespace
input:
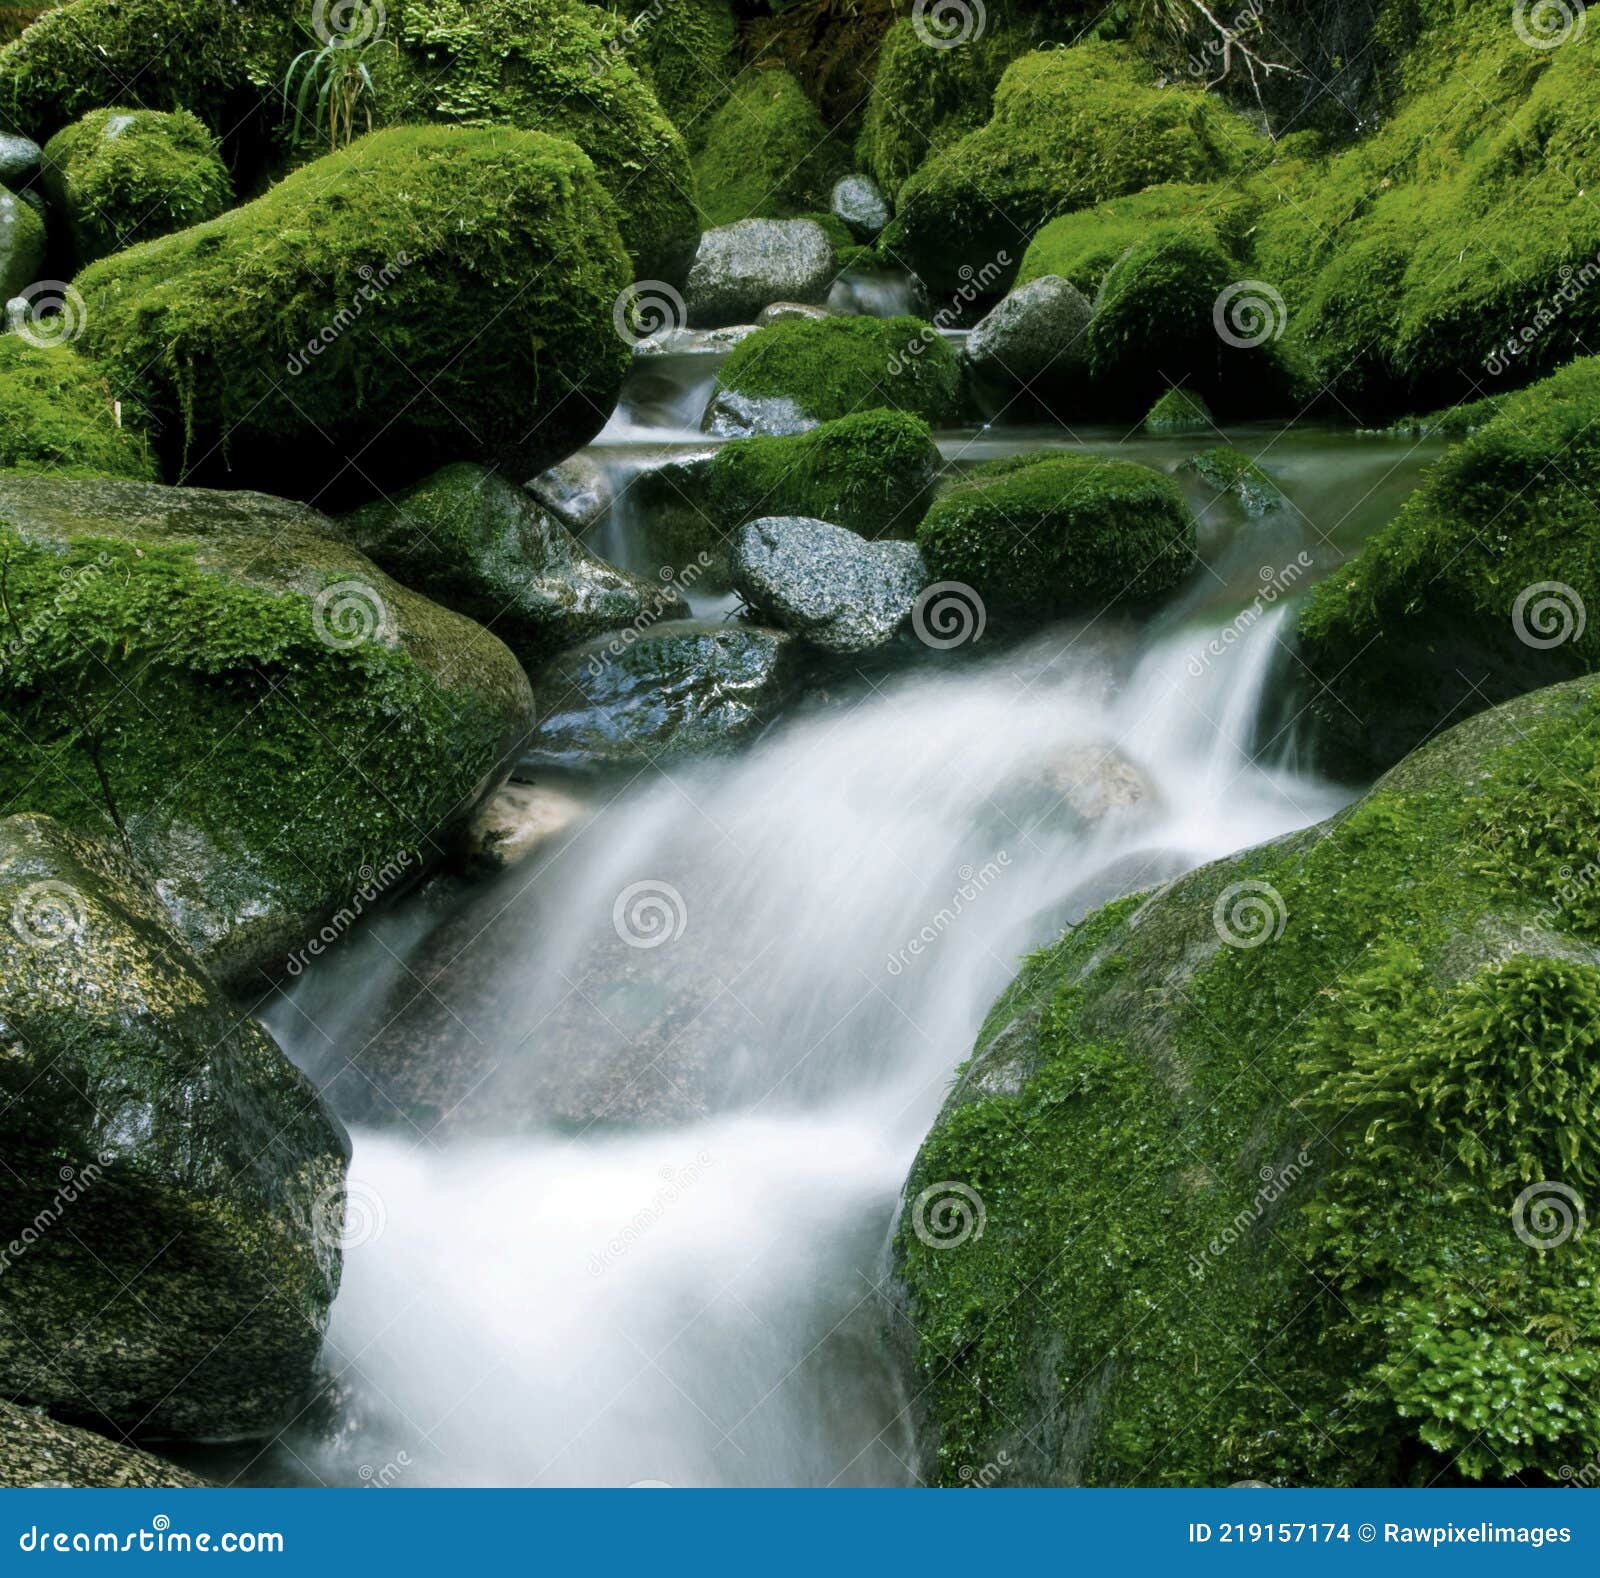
{"x":1478,"y":589}
{"x":121,"y":176}
{"x":872,"y":473}
{"x":766,"y":153}
{"x":1179,"y":411}
{"x":57,"y":414}
{"x":1040,"y":535}
{"x":834,"y":367}
{"x":1317,"y":1271}
{"x":687,"y":50}
{"x":1229,"y":471}
{"x":425,"y":290}
{"x":1060,"y":139}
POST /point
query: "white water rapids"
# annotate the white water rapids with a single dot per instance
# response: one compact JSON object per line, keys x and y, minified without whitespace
{"x":697,"y":1302}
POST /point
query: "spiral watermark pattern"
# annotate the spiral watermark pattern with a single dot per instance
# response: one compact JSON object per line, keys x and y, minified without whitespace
{"x":948,"y":614}
{"x":1249,"y":913}
{"x":648,"y":914}
{"x":349,"y":1214}
{"x":348,"y":24}
{"x":1548,"y":24}
{"x":648,"y":307}
{"x":47,"y":313}
{"x":47,"y":914}
{"x":948,"y":24}
{"x":1546,"y":1215}
{"x":1250,"y":312}
{"x":945,"y":1215}
{"x":349,"y":613}
{"x":1548,"y":614}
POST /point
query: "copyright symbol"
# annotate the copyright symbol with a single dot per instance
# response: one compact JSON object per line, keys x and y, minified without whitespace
{"x":1366,"y":1534}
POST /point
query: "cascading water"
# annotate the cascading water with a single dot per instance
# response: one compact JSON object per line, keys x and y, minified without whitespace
{"x":697,"y":1041}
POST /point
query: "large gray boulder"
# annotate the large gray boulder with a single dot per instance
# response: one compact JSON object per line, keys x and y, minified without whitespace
{"x":281,"y":733}
{"x":744,"y":267}
{"x":20,"y":158}
{"x":483,"y":546}
{"x":1036,"y":337}
{"x":733,"y":414}
{"x":173,"y":1186}
{"x":634,"y":697}
{"x":833,"y":587}
{"x":37,"y":1451}
{"x":857,"y":201}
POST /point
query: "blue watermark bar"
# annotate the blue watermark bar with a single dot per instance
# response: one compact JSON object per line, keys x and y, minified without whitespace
{"x":1238,"y":1530}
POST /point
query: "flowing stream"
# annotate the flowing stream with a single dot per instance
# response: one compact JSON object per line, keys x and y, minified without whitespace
{"x":687,"y":1286}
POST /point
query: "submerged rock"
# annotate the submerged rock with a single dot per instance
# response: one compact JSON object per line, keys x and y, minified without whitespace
{"x":1283,"y":1066}
{"x":1229,"y":471}
{"x":744,"y":267}
{"x":829,"y":585}
{"x":778,"y":311}
{"x":38,"y":1451}
{"x":518,"y":821}
{"x":857,"y":201}
{"x":481,"y":545}
{"x":182,"y":1185}
{"x":283,"y":733}
{"x":638,"y":696}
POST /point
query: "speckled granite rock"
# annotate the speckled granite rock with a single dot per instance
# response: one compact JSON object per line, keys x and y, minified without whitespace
{"x":858,"y":202}
{"x":38,"y":1451}
{"x":741,"y":268}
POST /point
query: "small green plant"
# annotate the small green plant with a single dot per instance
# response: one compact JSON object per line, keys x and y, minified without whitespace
{"x":336,"y":86}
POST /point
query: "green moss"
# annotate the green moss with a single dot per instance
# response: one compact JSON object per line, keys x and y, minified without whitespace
{"x":1059,"y":140}
{"x":168,"y":664}
{"x":554,"y":66}
{"x":1229,"y":471}
{"x":122,"y":176}
{"x":834,"y":367}
{"x":1316,"y":1271}
{"x":1423,"y":624}
{"x":1454,"y":421}
{"x":57,"y":414}
{"x":687,"y":50}
{"x":766,"y":154}
{"x":872,"y":473}
{"x":217,"y":58}
{"x":1040,"y":535}
{"x":22,"y":246}
{"x":1179,"y":411}
{"x":423,"y":289}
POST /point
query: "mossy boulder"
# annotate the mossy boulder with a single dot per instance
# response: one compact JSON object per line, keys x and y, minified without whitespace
{"x":121,"y":176}
{"x":1484,"y":585}
{"x":687,"y":50}
{"x":1230,"y":471}
{"x":872,"y":472}
{"x":1058,"y":140}
{"x":817,"y":370}
{"x":1343,"y":1091}
{"x":1179,"y":411}
{"x":221,"y":59}
{"x":476,"y":543}
{"x":766,"y":153}
{"x":1038,"y":535}
{"x":36,"y":1450}
{"x":175,"y":1185}
{"x":555,"y":66}
{"x":58,"y":414}
{"x":278,"y":731}
{"x":428,"y":290}
{"x":22,"y":246}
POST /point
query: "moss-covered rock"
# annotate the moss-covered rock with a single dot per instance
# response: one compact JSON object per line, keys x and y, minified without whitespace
{"x":481,"y":545}
{"x":766,"y":153}
{"x":555,"y":66}
{"x":1059,"y":139}
{"x":823,"y":369}
{"x":1341,"y":1089}
{"x":872,"y":472}
{"x":1229,"y":471}
{"x":57,"y":414}
{"x":1052,"y":534}
{"x":221,"y":59}
{"x":1179,"y":411}
{"x":120,"y":176}
{"x":425,"y":291}
{"x":277,"y":730}
{"x":687,"y":50}
{"x":1481,"y":587}
{"x":37,"y":1450}
{"x":22,"y":246}
{"x":173,"y":1182}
